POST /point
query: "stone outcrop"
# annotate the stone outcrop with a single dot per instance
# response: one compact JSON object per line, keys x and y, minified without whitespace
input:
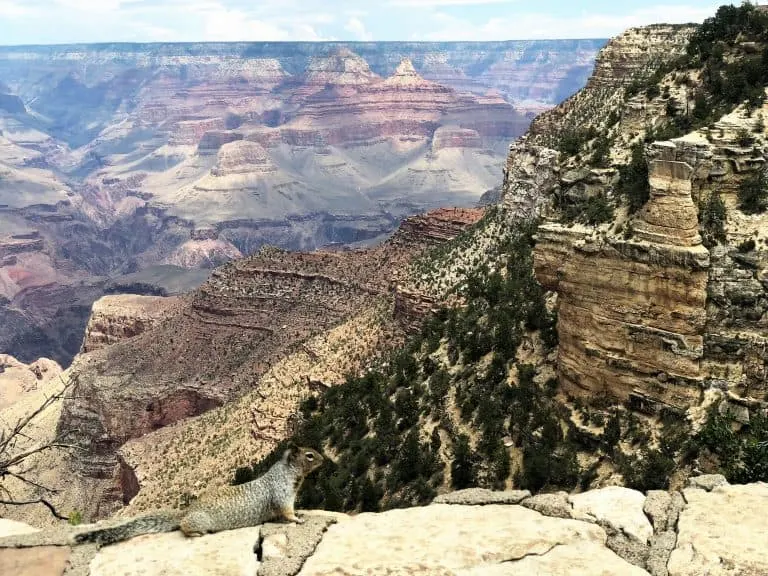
{"x":242,"y":157}
{"x":117,"y":318}
{"x":669,"y":216}
{"x":481,"y":533}
{"x":412,"y":306}
{"x":631,"y":316}
{"x":716,"y":530}
{"x":450,"y":137}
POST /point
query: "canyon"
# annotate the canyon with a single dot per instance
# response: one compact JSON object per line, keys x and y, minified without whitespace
{"x":135,"y":167}
{"x":227,"y":364}
{"x":655,"y":325}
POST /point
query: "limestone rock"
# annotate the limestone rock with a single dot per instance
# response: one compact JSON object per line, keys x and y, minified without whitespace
{"x":481,"y":496}
{"x":554,"y":505}
{"x":446,"y":540}
{"x":18,"y":379}
{"x":621,"y":508}
{"x":662,"y":545}
{"x":587,"y":559}
{"x":707,"y":482}
{"x":721,"y":533}
{"x":40,"y":561}
{"x":669,"y":216}
{"x":656,"y":507}
{"x":285,"y":547}
{"x":13,"y":528}
{"x":226,"y":553}
{"x":116,"y":318}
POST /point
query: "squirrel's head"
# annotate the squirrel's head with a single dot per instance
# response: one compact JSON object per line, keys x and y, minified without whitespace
{"x":305,"y":459}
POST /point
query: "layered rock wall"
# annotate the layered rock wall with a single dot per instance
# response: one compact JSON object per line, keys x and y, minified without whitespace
{"x":117,"y":318}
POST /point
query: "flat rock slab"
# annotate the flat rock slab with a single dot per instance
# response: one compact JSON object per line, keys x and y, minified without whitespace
{"x":40,"y":561}
{"x":172,"y":554}
{"x":452,"y":540}
{"x":621,"y":508}
{"x":723,"y":532}
{"x":482,"y":496}
{"x":586,"y":559}
{"x":13,"y":528}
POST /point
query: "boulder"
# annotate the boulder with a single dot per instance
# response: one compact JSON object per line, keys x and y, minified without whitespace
{"x":448,"y":539}
{"x":722,"y":532}
{"x":223,"y":554}
{"x":615,"y":506}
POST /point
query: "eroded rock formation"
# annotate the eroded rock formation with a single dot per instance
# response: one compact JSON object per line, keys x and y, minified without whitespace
{"x":646,"y":312}
{"x":117,"y":318}
{"x":190,"y":355}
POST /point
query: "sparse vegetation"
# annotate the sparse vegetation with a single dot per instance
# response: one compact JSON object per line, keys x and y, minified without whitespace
{"x":633,"y":179}
{"x":753,"y":193}
{"x":729,"y":80}
{"x":712,"y":215}
{"x":741,"y":452}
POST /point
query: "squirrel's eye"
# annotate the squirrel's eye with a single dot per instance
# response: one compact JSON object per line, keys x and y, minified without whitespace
{"x":309,"y":456}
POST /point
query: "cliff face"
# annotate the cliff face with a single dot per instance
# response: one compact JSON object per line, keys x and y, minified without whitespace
{"x":646,"y":312}
{"x":150,"y":362}
{"x":117,"y":318}
{"x":632,"y":315}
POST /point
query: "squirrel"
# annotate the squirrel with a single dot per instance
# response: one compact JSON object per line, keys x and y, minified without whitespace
{"x":268,"y":497}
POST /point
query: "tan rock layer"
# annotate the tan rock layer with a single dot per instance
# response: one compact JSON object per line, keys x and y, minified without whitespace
{"x":629,"y":318}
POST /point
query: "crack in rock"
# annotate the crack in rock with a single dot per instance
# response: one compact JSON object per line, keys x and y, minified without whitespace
{"x":528,"y":554}
{"x":289,"y":553}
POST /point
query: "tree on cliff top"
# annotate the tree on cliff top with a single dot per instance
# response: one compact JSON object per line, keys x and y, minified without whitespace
{"x":17,"y":450}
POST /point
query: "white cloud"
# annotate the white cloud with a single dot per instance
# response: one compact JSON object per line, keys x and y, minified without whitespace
{"x":356,"y":27}
{"x":547,"y":26}
{"x":12,"y":9}
{"x":415,"y":3}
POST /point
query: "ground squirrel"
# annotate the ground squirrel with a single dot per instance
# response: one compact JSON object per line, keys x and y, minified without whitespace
{"x":269,"y":497}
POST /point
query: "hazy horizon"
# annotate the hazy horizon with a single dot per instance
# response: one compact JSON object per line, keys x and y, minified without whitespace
{"x":52,"y":22}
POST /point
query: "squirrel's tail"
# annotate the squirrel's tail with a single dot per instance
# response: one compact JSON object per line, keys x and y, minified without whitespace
{"x":136,"y":527}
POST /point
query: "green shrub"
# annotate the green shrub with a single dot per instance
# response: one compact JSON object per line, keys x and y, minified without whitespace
{"x":712,"y":216}
{"x":742,"y":455}
{"x":753,"y":193}
{"x":744,"y":138}
{"x":598,"y":210}
{"x":464,"y":465}
{"x":75,"y":518}
{"x":746,"y":246}
{"x":633,"y":179}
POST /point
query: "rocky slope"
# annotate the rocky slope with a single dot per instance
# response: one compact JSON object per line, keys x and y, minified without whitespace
{"x":709,"y":527}
{"x":255,"y":339}
{"x":118,"y":158}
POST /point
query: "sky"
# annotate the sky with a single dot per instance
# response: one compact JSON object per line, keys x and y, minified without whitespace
{"x":72,"y":21}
